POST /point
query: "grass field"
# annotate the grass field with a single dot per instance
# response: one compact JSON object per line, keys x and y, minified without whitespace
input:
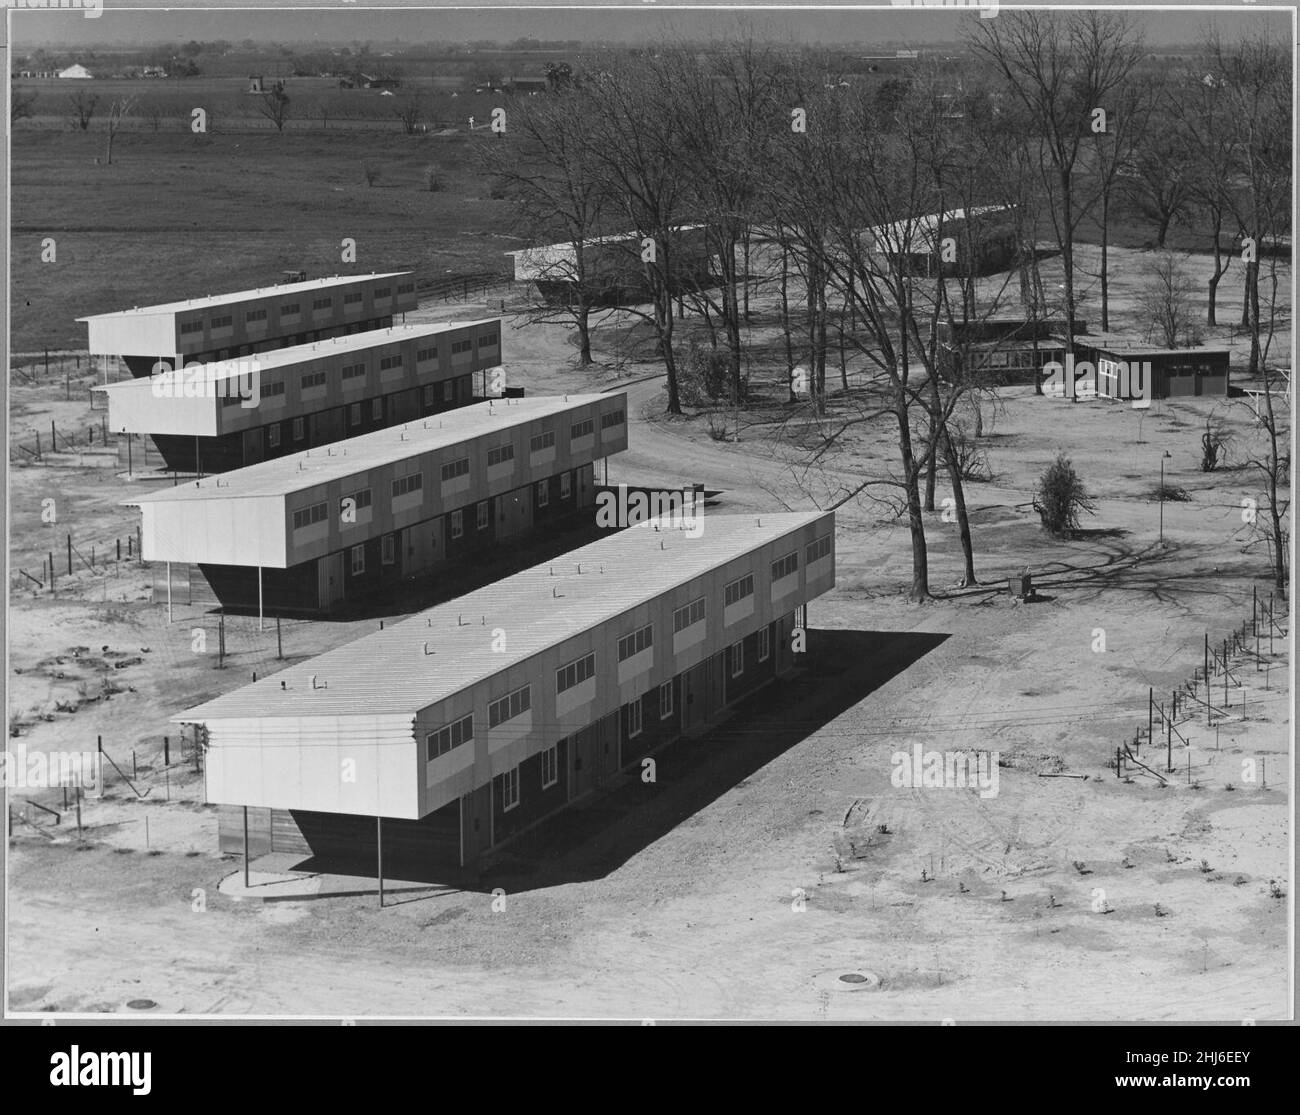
{"x":178,"y":215}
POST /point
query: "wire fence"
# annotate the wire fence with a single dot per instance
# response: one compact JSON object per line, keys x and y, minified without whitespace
{"x":1217,"y":689}
{"x":94,"y":557}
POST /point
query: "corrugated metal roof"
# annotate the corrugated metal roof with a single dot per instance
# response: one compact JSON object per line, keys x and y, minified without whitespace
{"x":219,"y":370}
{"x":244,"y":295}
{"x":359,"y":454}
{"x":438,"y":652}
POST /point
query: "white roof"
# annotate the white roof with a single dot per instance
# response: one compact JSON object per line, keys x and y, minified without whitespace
{"x":246,"y":295}
{"x":313,"y":467}
{"x":439,"y":652}
{"x":218,"y":371}
{"x":916,"y":234}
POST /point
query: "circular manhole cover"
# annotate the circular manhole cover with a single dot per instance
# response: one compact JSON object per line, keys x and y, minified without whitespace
{"x":142,"y":1004}
{"x":839,"y":980}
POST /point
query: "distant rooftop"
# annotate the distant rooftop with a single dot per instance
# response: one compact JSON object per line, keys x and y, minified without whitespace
{"x":438,"y":652}
{"x":324,"y":463}
{"x":218,"y":371}
{"x":613,"y":238}
{"x":1126,"y":342}
{"x":245,"y":295}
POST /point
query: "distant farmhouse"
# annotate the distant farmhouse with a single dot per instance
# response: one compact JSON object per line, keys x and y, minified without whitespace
{"x":77,"y":70}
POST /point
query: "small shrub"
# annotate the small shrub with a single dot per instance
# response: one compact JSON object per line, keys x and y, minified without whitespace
{"x":497,"y":192}
{"x":704,"y":375}
{"x":433,"y":180}
{"x":1213,"y":446}
{"x":1170,"y":493}
{"x":372,"y":173}
{"x":718,"y":430}
{"x":1061,"y":496}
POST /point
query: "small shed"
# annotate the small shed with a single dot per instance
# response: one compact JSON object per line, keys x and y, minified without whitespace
{"x":1174,"y":372}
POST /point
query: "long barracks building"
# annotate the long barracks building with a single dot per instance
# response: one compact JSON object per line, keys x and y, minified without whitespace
{"x":303,"y":533}
{"x":214,"y":417}
{"x":224,"y":326}
{"x":468,"y":723}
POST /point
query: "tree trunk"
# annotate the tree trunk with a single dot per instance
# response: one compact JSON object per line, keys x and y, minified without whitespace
{"x":785,"y":321}
{"x":582,"y":317}
{"x":959,"y":498}
{"x":1105,"y":257}
{"x":915,"y":519}
{"x":1067,"y":248}
{"x":745,"y":247}
{"x":1252,"y":287}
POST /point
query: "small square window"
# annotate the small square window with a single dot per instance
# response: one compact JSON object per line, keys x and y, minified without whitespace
{"x":448,"y":391}
{"x":354,"y":414}
{"x":764,"y":644}
{"x":457,"y":524}
{"x":665,"y":700}
{"x":550,"y":767}
{"x":634,"y":724}
{"x":543,"y":493}
{"x":299,"y":429}
{"x":388,"y":549}
{"x":377,"y":410}
{"x":482,"y":512}
{"x":273,"y":436}
{"x":358,"y":560}
{"x":566,"y":485}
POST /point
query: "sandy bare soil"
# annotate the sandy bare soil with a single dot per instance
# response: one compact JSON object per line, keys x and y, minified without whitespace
{"x":775,"y":854}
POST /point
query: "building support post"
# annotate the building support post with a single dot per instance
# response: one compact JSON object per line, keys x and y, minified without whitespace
{"x":245,"y":847}
{"x":259,"y":598}
{"x":379,"y":848}
{"x":169,"y":592}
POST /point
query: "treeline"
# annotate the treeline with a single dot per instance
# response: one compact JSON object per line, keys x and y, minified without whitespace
{"x":1050,"y":119}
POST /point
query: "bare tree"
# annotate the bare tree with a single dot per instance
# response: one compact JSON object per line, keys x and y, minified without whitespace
{"x":274,"y":105}
{"x":83,"y":107}
{"x":410,"y":111}
{"x":1252,"y":83}
{"x":634,"y":139}
{"x":1166,"y":298}
{"x":118,"y":111}
{"x":547,"y":170}
{"x":1270,"y":459}
{"x":1061,"y":68}
{"x":1158,"y":180}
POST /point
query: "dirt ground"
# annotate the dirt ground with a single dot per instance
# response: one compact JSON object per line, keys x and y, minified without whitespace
{"x":774,"y":855}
